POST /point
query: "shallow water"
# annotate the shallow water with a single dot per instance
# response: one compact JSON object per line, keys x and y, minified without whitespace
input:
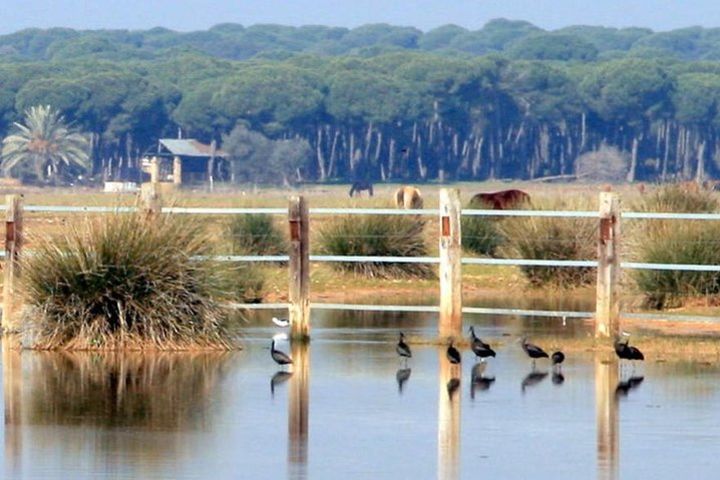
{"x":342,"y":412}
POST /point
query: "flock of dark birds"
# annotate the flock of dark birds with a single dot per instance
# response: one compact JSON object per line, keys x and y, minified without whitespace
{"x":482,"y":351}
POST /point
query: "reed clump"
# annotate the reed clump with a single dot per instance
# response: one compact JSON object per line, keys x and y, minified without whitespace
{"x":666,"y":242}
{"x":377,"y":235}
{"x":256,"y":234}
{"x":126,"y":281}
{"x":552,"y":238}
{"x":674,"y":241}
{"x":481,"y":234}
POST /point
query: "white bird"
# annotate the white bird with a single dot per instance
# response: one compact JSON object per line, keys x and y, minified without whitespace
{"x":281,"y":322}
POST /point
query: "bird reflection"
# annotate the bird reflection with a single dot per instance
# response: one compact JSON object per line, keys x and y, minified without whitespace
{"x":532,"y":378}
{"x":478,"y":379}
{"x":280,"y":377}
{"x":558,"y":378}
{"x":624,"y":386}
{"x":452,"y":386}
{"x":402,"y":376}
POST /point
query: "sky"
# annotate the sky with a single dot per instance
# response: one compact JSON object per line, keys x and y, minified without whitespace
{"x":187,"y":15}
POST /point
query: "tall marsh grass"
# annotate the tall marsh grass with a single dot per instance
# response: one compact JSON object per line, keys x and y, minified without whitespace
{"x":256,"y":234}
{"x":125,"y":281}
{"x":377,"y":235}
{"x":676,"y":241}
{"x":480,"y":234}
{"x":552,"y":238}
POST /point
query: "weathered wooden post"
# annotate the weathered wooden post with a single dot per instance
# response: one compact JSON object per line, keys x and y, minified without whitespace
{"x":177,"y":170}
{"x":154,"y":170}
{"x":607,"y":309}
{"x":450,"y":266}
{"x":299,"y":269}
{"x":13,"y":248}
{"x":151,"y":201}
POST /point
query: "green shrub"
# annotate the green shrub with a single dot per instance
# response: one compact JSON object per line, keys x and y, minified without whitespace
{"x":377,"y":235}
{"x":126,"y":281}
{"x":552,"y":238}
{"x":256,"y":234}
{"x":668,"y":242}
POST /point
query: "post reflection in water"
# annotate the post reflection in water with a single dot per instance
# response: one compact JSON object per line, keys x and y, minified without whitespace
{"x":448,"y":418}
{"x":298,"y":411}
{"x":606,"y":416}
{"x":133,"y":392}
{"x":12,"y":390}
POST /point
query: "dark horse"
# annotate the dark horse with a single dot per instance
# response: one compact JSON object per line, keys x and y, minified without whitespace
{"x":501,"y":200}
{"x":361,"y":185}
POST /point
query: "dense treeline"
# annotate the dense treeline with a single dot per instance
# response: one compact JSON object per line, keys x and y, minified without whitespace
{"x":384,"y":102}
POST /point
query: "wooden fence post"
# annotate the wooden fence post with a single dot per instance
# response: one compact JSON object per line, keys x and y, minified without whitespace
{"x":607,"y":309}
{"x":450,"y":264}
{"x":13,"y":248}
{"x":177,"y":170}
{"x":154,"y":170}
{"x":299,"y":268}
{"x":151,"y":201}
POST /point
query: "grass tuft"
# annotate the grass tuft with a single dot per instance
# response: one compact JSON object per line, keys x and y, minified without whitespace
{"x":377,"y":235}
{"x":552,"y":238}
{"x":125,"y":281}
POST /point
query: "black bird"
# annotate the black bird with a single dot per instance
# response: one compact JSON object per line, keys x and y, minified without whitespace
{"x":533,"y":351}
{"x":480,"y":348}
{"x":625,"y":351}
{"x":452,"y":354}
{"x":452,"y":386}
{"x":402,"y":376}
{"x":402,"y":348}
{"x":281,"y":358}
{"x":557,"y":358}
{"x":279,"y":378}
{"x":532,"y":378}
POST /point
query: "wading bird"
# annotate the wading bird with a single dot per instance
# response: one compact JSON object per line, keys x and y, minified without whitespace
{"x":557,"y":359}
{"x":452,"y":354}
{"x":402,"y":348}
{"x":281,"y":358}
{"x":480,"y":348}
{"x":625,"y":351}
{"x":281,"y":322}
{"x":533,"y":351}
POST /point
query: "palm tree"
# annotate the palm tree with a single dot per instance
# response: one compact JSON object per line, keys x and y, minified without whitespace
{"x":44,"y":142}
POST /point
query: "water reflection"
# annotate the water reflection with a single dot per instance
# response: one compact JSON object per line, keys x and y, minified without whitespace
{"x":606,"y":416}
{"x":402,"y":376}
{"x":280,"y":377}
{"x":624,"y":386}
{"x":532,"y":378}
{"x":76,"y":393}
{"x":478,"y":379}
{"x":558,"y":378}
{"x":299,"y":411}
{"x":448,"y":418}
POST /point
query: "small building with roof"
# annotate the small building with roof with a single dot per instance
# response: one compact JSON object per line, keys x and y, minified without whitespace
{"x":184,"y":161}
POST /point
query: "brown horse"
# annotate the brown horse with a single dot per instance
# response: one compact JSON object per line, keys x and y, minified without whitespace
{"x":501,"y":200}
{"x":360,"y":185}
{"x":408,"y":197}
